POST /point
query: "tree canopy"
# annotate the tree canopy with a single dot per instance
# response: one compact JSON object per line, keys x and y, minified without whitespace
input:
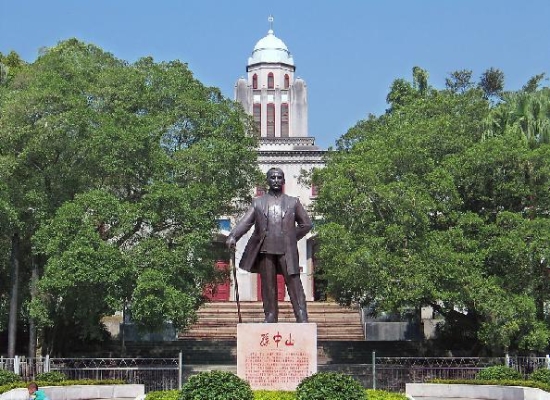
{"x":117,"y":173}
{"x":443,"y":201}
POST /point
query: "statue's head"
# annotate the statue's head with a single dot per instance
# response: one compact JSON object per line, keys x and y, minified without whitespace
{"x":275,"y":179}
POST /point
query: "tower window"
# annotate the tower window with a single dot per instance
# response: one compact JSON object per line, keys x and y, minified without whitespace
{"x":254,"y":81}
{"x":257,"y":114}
{"x":284,"y":120}
{"x":270,"y":81}
{"x":270,"y":120}
{"x":287,"y":81}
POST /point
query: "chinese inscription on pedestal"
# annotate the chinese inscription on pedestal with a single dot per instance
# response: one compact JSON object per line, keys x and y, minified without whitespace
{"x":276,"y":356}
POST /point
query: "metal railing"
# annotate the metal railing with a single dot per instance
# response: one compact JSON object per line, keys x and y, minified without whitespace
{"x":153,"y":373}
{"x":27,"y":368}
{"x":526,"y":365}
{"x":386,"y":373}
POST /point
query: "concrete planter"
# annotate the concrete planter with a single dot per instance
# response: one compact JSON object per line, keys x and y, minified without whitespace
{"x":81,"y":392}
{"x":425,"y":391}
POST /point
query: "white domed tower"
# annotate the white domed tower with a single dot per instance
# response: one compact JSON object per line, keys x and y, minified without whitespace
{"x":270,"y":92}
{"x":277,"y":100}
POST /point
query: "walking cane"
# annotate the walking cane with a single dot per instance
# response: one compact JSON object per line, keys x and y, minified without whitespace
{"x":234,"y":268}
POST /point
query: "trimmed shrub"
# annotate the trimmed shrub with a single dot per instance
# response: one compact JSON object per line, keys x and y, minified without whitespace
{"x":52,"y":376}
{"x":498,"y":372}
{"x":541,"y":375}
{"x":8,"y":377}
{"x":216,"y":385}
{"x":330,"y":386}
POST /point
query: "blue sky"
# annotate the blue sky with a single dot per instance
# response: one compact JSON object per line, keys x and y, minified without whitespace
{"x":348,"y":52}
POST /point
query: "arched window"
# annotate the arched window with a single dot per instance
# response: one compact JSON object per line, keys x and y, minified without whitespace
{"x":257,"y":114}
{"x":254,"y":81}
{"x":284,"y":120}
{"x":287,"y":81}
{"x":270,"y":120}
{"x":270,"y":81}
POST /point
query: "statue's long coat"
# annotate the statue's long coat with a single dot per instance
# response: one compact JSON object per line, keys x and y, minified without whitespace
{"x":296,"y":224}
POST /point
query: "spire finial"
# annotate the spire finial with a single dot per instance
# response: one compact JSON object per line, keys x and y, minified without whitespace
{"x":270,"y":20}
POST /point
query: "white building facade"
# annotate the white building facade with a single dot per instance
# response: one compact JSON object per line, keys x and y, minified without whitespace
{"x":277,"y":100}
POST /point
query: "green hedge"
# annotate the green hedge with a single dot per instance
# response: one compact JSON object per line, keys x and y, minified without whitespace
{"x":274,"y":395}
{"x":163,"y":395}
{"x":52,"y":376}
{"x":278,"y":395}
{"x":258,"y":395}
{"x":383,"y":395}
{"x":541,"y":375}
{"x":498,"y":372}
{"x":7,"y":377}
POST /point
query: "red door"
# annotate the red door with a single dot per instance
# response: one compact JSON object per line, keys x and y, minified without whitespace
{"x":280,"y":288}
{"x":219,"y":292}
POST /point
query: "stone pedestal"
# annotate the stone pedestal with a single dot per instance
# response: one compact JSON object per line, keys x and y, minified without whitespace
{"x":276,"y":356}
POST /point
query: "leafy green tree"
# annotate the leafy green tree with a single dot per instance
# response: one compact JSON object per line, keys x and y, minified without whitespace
{"x":420,"y":80}
{"x":525,"y":113}
{"x":533,"y":83}
{"x":403,"y":92}
{"x":422,"y":207}
{"x":492,"y":83}
{"x":459,"y":81}
{"x":8,"y":220}
{"x":10,"y":66}
{"x":118,"y":173}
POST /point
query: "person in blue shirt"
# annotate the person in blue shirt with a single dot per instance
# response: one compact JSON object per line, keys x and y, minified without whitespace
{"x":35,"y":394}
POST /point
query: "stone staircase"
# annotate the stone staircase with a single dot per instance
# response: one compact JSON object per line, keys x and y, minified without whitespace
{"x":218,"y":320}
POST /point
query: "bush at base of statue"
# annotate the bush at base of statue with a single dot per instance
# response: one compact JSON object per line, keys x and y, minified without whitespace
{"x":8,"y":377}
{"x":330,"y":386}
{"x":216,"y":385}
{"x":498,"y":373}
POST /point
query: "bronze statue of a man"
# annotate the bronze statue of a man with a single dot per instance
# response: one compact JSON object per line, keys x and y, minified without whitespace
{"x":279,"y":222}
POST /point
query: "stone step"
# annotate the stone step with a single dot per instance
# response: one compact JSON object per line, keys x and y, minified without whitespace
{"x":321,"y":327}
{"x":218,"y":320}
{"x":282,"y":315}
{"x":284,"y":308}
{"x":321,"y":333}
{"x":256,"y":305}
{"x":250,"y":311}
{"x":232,"y":320}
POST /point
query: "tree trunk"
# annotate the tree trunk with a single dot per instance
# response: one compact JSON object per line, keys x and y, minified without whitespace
{"x":12,"y":319}
{"x":32,"y":323}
